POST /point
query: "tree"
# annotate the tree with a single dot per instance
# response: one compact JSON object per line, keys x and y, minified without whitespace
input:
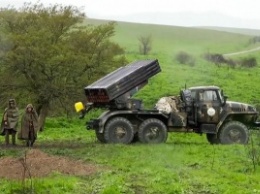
{"x":145,"y":44}
{"x":48,"y":57}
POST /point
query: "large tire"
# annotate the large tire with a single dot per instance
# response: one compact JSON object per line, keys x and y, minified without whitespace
{"x":152,"y":131}
{"x":100,"y":137}
{"x":234,"y":132}
{"x":119,"y":130}
{"x":212,"y":138}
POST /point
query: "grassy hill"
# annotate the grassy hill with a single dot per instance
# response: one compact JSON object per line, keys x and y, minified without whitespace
{"x":186,"y":163}
{"x":238,"y":83}
{"x":171,"y":39}
{"x":251,"y":32}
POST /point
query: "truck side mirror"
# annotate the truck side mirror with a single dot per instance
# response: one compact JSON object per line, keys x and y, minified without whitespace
{"x":225,"y":99}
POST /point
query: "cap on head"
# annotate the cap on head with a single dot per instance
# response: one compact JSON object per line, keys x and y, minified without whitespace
{"x":11,"y":101}
{"x":29,"y":106}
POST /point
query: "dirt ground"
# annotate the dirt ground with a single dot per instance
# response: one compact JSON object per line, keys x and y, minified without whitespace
{"x":35,"y":163}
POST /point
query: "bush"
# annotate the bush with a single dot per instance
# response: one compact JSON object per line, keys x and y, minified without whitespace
{"x":185,"y":58}
{"x":248,"y":62}
{"x":231,"y":63}
{"x":217,"y":59}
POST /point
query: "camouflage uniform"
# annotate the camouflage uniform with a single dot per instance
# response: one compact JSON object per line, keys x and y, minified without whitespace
{"x":172,"y":104}
{"x":29,"y":125}
{"x":10,"y":122}
{"x":167,"y":104}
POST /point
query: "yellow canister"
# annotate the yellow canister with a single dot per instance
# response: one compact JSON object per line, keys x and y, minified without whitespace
{"x":79,"y":106}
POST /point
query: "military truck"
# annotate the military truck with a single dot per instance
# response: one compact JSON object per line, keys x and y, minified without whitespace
{"x":202,"y":109}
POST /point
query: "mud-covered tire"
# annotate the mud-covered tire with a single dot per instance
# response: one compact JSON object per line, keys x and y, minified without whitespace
{"x":100,"y":137}
{"x":152,"y":131}
{"x":212,"y":138}
{"x":119,"y":130}
{"x":234,"y":132}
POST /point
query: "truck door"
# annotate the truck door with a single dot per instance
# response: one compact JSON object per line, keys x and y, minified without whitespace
{"x":208,"y":107}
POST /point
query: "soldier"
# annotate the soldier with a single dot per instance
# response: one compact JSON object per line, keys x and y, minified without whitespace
{"x":10,"y":122}
{"x":29,"y":126}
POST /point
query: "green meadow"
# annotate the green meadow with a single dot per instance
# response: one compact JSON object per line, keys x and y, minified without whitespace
{"x":186,"y":163}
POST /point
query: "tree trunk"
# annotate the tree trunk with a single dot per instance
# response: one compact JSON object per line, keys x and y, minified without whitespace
{"x":43,"y":112}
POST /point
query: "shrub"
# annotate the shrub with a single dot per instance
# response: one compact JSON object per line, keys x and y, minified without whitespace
{"x":185,"y":58}
{"x":248,"y":62}
{"x":231,"y":63}
{"x":217,"y":59}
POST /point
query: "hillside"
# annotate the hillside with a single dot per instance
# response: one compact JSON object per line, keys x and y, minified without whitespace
{"x":171,"y":39}
{"x":244,"y":31}
{"x":67,"y":158}
{"x":167,"y":41}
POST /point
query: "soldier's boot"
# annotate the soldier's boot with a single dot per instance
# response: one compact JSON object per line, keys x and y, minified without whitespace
{"x":32,"y":141}
{"x":7,"y":138}
{"x":13,"y":139}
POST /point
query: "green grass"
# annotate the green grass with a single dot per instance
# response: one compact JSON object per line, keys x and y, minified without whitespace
{"x":240,"y":84}
{"x":172,"y":39}
{"x":187,"y":163}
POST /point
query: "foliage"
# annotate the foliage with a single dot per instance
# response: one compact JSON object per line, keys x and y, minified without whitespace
{"x":185,"y":58}
{"x":248,"y":62}
{"x":145,"y":44}
{"x":47,"y":58}
{"x":217,"y":59}
{"x":187,"y":163}
{"x":255,"y":39}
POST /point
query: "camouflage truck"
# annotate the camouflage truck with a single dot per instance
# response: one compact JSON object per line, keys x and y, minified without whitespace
{"x":202,"y":110}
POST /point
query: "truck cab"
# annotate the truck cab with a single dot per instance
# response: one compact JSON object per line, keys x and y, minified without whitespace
{"x":210,"y":112}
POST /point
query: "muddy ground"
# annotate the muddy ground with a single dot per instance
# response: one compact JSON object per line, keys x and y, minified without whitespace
{"x":35,"y":163}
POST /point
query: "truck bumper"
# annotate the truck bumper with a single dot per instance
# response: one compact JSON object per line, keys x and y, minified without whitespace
{"x":93,"y":124}
{"x":257,"y":124}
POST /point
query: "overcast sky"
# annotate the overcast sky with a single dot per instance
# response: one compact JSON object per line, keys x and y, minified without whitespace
{"x":116,"y":9}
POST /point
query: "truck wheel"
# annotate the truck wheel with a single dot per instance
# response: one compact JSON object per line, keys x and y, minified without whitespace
{"x":234,"y":132}
{"x":119,"y":130}
{"x":152,"y":131}
{"x":212,"y":138}
{"x":100,"y":137}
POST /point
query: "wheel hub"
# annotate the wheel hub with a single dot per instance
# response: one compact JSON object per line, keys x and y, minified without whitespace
{"x":120,"y":132}
{"x":153,"y":133}
{"x":235,"y":135}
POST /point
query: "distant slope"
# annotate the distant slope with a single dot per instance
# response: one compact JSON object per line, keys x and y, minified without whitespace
{"x":188,"y":19}
{"x":251,"y":32}
{"x":239,"y":83}
{"x":172,"y":39}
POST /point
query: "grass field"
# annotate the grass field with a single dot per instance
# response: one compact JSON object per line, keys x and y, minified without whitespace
{"x":186,"y":163}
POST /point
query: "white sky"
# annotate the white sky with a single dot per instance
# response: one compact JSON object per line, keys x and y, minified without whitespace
{"x":110,"y":9}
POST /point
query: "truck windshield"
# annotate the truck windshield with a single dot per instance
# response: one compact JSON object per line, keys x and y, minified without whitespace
{"x":208,"y":95}
{"x":221,"y":96}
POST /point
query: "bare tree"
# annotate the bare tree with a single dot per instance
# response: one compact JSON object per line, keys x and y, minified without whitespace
{"x":145,"y":45}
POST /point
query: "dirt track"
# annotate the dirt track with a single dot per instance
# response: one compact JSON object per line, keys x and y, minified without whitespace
{"x":242,"y":52}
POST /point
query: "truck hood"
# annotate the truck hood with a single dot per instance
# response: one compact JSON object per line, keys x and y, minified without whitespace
{"x":239,"y":107}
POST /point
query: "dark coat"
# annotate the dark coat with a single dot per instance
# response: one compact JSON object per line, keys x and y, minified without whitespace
{"x":11,"y":116}
{"x":29,"y":120}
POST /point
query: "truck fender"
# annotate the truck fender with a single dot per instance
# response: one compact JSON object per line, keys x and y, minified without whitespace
{"x":108,"y":114}
{"x":224,"y":117}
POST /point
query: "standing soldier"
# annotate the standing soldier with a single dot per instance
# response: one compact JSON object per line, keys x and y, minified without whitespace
{"x":10,"y":122}
{"x":29,"y":126}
